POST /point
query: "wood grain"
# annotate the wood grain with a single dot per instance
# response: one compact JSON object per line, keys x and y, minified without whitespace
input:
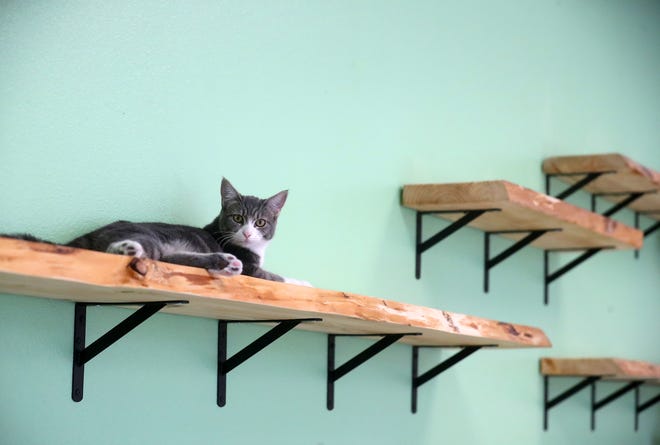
{"x":523,"y":209}
{"x":608,"y":368}
{"x":44,"y":270}
{"x":627,"y":176}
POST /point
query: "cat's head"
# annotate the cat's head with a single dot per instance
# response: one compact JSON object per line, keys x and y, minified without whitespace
{"x":248,"y":221}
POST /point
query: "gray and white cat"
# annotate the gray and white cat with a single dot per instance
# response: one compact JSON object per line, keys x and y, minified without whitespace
{"x":233,"y":243}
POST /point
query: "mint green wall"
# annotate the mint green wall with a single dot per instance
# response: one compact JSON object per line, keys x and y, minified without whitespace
{"x":135,"y":110}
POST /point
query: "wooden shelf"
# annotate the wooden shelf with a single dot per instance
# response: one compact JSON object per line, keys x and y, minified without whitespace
{"x":632,"y":373}
{"x":606,"y":368}
{"x":620,"y":175}
{"x":44,"y":270}
{"x":523,"y":209}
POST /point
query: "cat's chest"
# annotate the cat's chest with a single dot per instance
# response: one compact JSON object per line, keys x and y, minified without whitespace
{"x":259,"y":251}
{"x":252,"y":256}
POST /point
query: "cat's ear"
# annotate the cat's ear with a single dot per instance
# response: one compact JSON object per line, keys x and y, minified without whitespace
{"x":276,"y":202}
{"x":227,"y":192}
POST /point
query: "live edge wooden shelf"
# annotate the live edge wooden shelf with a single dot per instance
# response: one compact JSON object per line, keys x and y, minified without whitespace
{"x":633,"y":372}
{"x":42,"y":270}
{"x":605,"y":368}
{"x":613,"y":176}
{"x":518,"y":213}
{"x":87,"y":277}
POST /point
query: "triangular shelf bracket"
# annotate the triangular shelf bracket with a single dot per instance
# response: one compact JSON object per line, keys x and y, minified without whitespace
{"x":82,"y":354}
{"x":588,"y":178}
{"x":422,"y":246}
{"x":598,"y":404}
{"x":225,"y":365}
{"x":551,"y":403}
{"x":629,"y":198}
{"x":591,"y":381}
{"x":650,"y":229}
{"x":419,"y":380}
{"x":640,"y":407}
{"x":335,"y":374}
{"x":489,"y":262}
{"x":549,"y":277}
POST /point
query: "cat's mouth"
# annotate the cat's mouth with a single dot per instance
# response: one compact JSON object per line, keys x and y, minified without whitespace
{"x":246,"y":241}
{"x":255,"y":244}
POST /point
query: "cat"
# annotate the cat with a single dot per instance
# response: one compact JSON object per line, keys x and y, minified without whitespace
{"x":233,"y":243}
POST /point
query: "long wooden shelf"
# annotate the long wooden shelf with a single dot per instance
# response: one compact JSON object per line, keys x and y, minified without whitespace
{"x":523,"y":209}
{"x":606,"y":368}
{"x":620,"y":175}
{"x":44,"y":270}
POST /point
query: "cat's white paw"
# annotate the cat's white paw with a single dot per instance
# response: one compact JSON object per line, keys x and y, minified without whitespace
{"x":127,"y":247}
{"x":235,"y":266}
{"x":297,"y":282}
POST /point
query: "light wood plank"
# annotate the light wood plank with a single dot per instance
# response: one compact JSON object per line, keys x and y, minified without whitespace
{"x":608,"y":368}
{"x":523,"y":209}
{"x":627,"y":176}
{"x":48,"y":271}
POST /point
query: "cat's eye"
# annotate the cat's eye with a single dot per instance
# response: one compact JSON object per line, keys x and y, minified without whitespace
{"x":238,"y":219}
{"x":260,"y":223}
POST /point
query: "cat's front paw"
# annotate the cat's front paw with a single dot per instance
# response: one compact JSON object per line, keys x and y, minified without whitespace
{"x":297,"y":282}
{"x":127,"y":247}
{"x":225,"y":264}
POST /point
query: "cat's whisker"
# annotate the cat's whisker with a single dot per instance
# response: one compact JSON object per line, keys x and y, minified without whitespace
{"x":223,"y":238}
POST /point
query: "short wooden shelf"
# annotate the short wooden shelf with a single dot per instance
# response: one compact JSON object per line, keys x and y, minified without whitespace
{"x":632,"y":373}
{"x":619,"y":176}
{"x":523,"y":215}
{"x":606,"y":368}
{"x":525,"y":210}
{"x":57,"y":272}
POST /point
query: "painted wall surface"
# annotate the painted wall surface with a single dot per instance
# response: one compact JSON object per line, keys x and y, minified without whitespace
{"x":135,"y":110}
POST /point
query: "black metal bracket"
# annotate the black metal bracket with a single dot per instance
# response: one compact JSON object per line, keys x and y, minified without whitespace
{"x":551,"y":403}
{"x":225,"y":365}
{"x":586,"y":180}
{"x":422,"y":246}
{"x":82,"y":354}
{"x":630,"y":197}
{"x":649,"y":230}
{"x":335,"y":374}
{"x":639,"y":407}
{"x":419,"y":380}
{"x":598,"y":404}
{"x":550,"y":277}
{"x":589,"y":177}
{"x":489,"y":262}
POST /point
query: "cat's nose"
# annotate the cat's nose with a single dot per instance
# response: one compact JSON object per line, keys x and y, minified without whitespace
{"x":247,"y":235}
